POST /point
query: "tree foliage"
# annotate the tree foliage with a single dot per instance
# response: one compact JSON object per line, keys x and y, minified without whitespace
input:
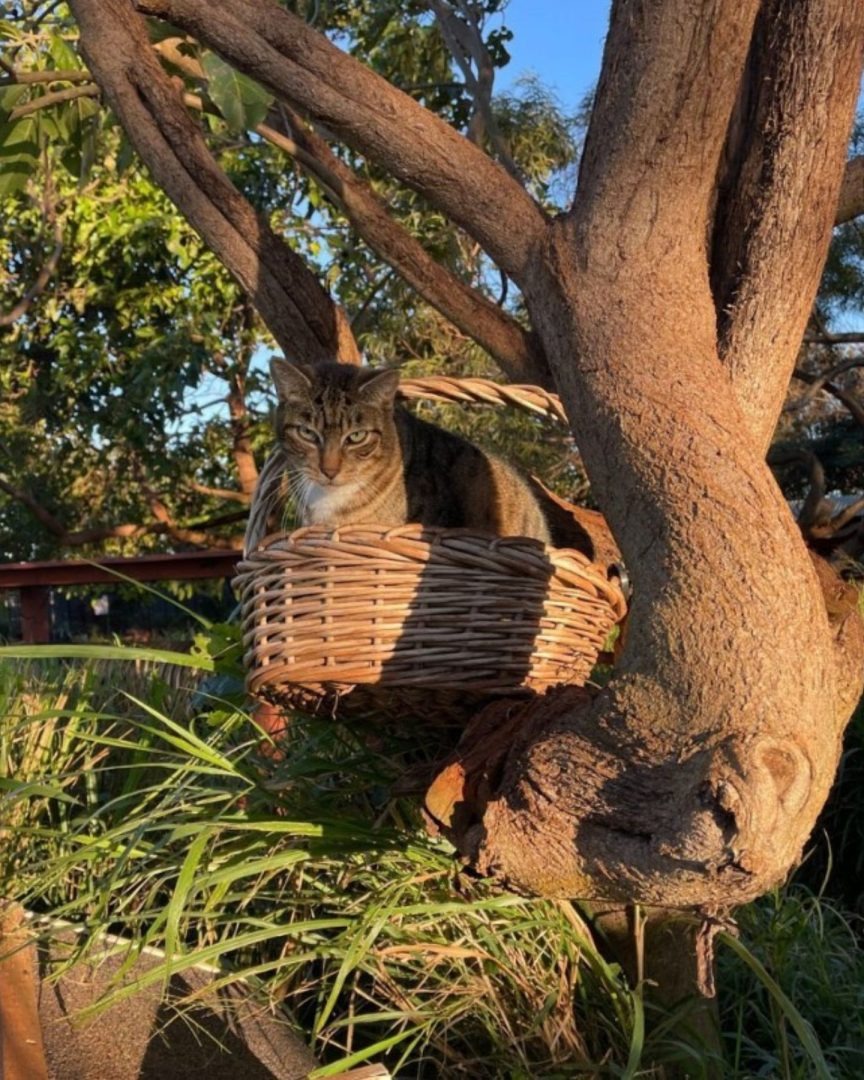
{"x":117,"y":373}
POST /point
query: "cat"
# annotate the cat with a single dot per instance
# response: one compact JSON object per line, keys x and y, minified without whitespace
{"x":354,"y":456}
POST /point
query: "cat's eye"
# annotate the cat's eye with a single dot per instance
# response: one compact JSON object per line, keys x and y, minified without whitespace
{"x":307,"y":433}
{"x":356,"y":437}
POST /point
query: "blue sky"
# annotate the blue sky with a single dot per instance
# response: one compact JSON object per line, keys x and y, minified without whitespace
{"x":559,"y":40}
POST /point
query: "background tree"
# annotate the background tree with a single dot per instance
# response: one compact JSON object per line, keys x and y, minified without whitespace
{"x":667,"y":304}
{"x":134,"y":372}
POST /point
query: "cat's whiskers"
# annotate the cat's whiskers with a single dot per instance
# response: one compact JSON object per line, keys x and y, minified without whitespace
{"x":299,"y":489}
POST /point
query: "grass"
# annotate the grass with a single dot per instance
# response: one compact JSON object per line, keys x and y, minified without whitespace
{"x":300,"y":874}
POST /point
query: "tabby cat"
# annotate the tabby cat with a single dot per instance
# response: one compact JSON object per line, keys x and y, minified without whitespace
{"x":355,"y":456}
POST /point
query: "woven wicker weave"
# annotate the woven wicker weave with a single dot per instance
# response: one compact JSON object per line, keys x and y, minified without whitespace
{"x":416,"y":610}
{"x":325,"y":610}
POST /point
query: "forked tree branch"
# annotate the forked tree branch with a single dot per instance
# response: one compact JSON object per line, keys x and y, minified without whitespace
{"x":190,"y":535}
{"x":517,"y":350}
{"x":293,"y":304}
{"x":301,"y":66}
{"x":824,"y":383}
{"x":779,"y":192}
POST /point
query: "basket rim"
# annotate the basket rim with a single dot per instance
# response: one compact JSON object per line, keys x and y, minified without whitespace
{"x":568,"y":561}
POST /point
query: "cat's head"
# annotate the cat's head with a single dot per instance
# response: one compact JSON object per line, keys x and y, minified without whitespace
{"x":335,"y":422}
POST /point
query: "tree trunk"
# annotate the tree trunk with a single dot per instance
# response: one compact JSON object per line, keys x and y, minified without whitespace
{"x":696,"y":776}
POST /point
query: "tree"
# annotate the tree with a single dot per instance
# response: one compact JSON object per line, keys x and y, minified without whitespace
{"x":667,"y":305}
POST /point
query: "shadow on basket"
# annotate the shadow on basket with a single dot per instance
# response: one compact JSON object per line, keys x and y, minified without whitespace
{"x":416,"y":621}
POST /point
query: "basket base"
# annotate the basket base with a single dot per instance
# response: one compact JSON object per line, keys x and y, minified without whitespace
{"x":439,"y":708}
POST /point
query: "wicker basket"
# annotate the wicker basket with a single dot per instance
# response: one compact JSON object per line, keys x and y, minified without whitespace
{"x":428,"y":620}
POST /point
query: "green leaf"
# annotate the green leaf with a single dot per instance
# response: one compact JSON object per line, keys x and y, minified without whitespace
{"x":10,"y":96}
{"x":240,"y":99}
{"x":177,"y":903}
{"x":125,"y":155}
{"x":157,"y":30}
{"x":19,"y":136}
{"x":14,"y":174}
{"x":104,"y":652}
{"x":63,"y":56}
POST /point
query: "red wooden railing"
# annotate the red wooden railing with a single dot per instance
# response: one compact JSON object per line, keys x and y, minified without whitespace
{"x":34,"y":579}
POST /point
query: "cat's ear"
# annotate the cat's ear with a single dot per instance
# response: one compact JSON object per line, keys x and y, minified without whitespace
{"x":290,"y":382}
{"x":380,"y":388}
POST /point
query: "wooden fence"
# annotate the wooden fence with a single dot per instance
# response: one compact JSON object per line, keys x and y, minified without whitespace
{"x":34,"y":580}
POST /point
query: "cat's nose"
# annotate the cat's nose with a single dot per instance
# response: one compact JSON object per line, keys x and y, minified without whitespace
{"x":330,"y":469}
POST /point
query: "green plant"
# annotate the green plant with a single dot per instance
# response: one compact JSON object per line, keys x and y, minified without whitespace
{"x":292,"y":867}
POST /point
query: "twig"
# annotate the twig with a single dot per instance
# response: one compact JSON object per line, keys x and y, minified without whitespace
{"x":220,"y":493}
{"x":48,"y":267}
{"x":24,"y":78}
{"x":463,"y":38}
{"x":814,"y":510}
{"x":854,"y":337}
{"x":57,"y":97}
{"x":851,"y":402}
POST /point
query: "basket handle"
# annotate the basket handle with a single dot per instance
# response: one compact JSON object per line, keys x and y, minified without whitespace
{"x":484,"y":392}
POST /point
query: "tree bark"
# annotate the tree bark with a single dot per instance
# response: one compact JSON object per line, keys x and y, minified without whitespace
{"x":851,"y":202}
{"x":517,"y":350}
{"x":712,"y":721}
{"x":278,"y":49}
{"x":778,"y":192}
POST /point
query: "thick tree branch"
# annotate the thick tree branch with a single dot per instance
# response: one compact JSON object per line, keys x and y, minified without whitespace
{"x":851,"y":202}
{"x":779,"y":191}
{"x":517,"y":350}
{"x":293,"y":304}
{"x":734,"y":774}
{"x":300,"y":65}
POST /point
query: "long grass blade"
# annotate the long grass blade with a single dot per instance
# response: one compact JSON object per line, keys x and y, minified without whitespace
{"x":799,"y":1025}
